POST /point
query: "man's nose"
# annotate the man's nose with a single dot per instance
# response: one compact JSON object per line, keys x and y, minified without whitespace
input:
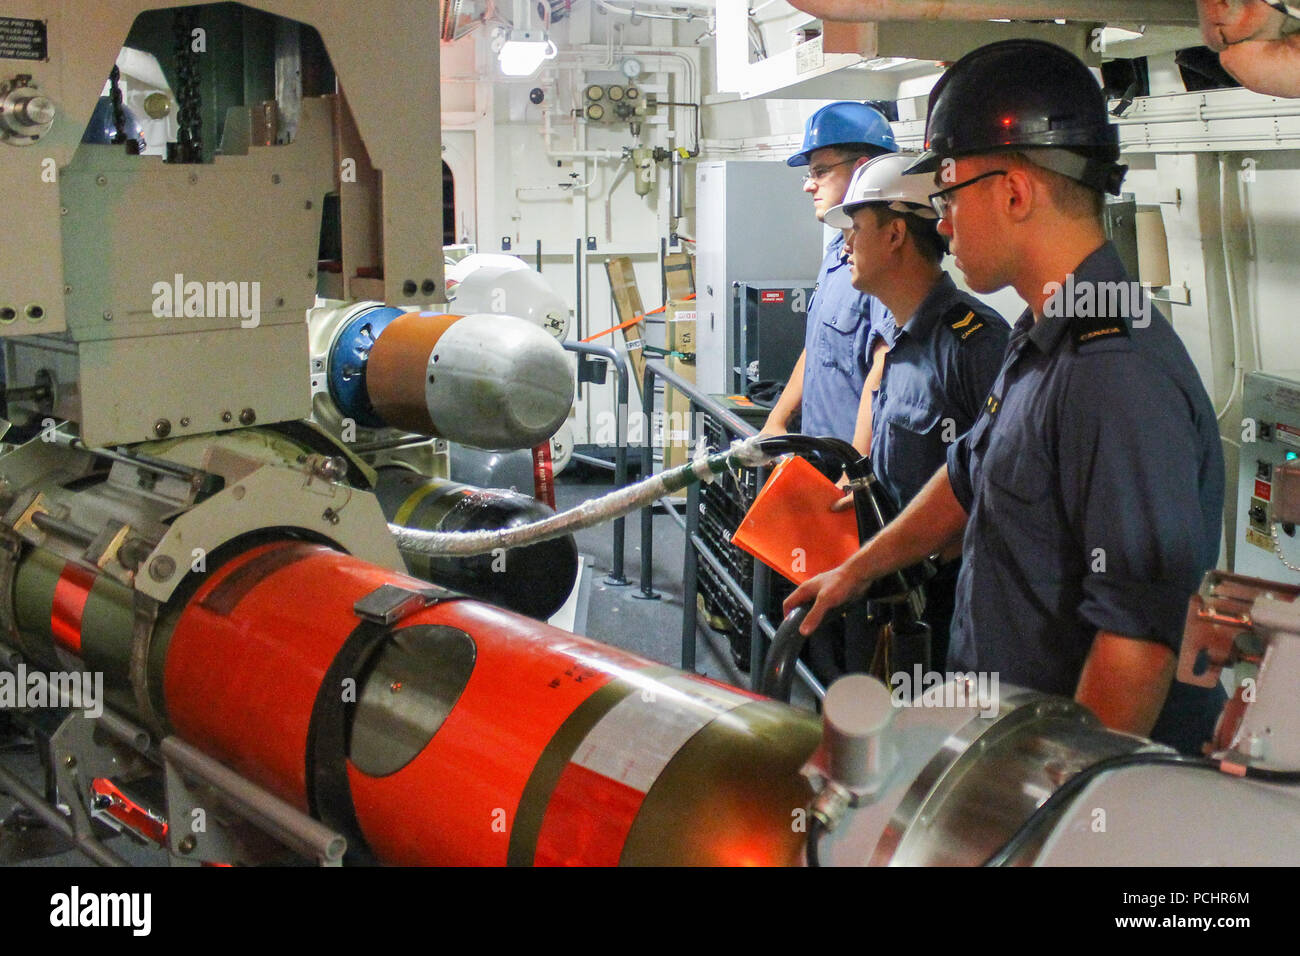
{"x":945,"y":227}
{"x":810,"y":185}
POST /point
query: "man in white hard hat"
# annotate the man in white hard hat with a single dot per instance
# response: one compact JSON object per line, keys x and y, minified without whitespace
{"x":933,"y":365}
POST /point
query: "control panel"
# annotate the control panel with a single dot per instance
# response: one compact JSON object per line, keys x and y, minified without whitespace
{"x":1267,"y":547}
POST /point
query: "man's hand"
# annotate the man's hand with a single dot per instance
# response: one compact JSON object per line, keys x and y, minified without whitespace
{"x":830,"y":590}
{"x":845,"y":503}
{"x":1256,"y":43}
{"x":1226,"y":22}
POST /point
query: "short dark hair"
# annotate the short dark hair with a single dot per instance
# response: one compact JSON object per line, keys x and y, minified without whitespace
{"x":1068,"y":195}
{"x":924,"y":232}
{"x":859,"y":150}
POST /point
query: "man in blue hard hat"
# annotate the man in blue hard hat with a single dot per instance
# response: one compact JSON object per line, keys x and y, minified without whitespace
{"x":1088,"y":494}
{"x":826,"y":386}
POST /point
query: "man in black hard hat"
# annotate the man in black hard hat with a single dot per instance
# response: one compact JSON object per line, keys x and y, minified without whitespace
{"x":1090,"y":489}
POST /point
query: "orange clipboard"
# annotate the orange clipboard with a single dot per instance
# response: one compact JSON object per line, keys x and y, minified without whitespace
{"x":790,"y":526}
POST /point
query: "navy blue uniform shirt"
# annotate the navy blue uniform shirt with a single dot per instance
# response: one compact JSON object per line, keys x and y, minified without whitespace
{"x":938,"y":371}
{"x":1094,"y":482}
{"x":840,"y":319}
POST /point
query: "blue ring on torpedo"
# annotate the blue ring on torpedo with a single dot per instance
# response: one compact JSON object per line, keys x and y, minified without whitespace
{"x":349,"y":357}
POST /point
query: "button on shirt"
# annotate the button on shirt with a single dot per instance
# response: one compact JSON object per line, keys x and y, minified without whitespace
{"x":938,"y":370}
{"x":840,"y":319}
{"x":1094,"y":482}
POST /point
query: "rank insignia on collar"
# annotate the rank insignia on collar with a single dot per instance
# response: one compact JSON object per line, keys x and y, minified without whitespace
{"x":992,"y":404}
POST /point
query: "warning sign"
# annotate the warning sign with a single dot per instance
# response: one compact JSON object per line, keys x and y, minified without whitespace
{"x":23,"y":39}
{"x":771,"y":295}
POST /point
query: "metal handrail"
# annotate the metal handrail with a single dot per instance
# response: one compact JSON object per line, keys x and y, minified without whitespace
{"x":619,"y":364}
{"x":756,"y":602}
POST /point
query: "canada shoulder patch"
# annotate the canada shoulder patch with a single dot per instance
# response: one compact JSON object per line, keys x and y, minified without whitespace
{"x":1085,"y":330}
{"x":963,"y":321}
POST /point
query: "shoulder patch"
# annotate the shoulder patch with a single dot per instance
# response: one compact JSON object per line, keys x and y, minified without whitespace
{"x":1085,"y":330}
{"x":963,"y":321}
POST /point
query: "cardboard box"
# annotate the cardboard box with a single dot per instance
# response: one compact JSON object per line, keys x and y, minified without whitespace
{"x":677,"y":407}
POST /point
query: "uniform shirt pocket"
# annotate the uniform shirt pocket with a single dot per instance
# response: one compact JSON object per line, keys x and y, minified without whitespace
{"x":1019,"y":481}
{"x":914,"y":447}
{"x":840,"y":346}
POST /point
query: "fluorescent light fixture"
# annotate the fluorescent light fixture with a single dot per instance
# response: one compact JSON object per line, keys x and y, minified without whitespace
{"x":523,"y":53}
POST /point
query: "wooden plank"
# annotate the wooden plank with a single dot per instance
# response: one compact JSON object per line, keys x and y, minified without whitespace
{"x":627,"y":301}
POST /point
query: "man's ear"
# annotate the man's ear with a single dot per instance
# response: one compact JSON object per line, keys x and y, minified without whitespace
{"x":1018,"y":192}
{"x":897,"y":233}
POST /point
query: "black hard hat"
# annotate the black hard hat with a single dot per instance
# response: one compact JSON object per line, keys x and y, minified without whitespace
{"x":1018,"y":95}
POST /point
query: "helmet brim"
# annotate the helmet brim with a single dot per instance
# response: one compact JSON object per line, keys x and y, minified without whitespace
{"x":798,"y":159}
{"x":841,"y":216}
{"x":927,"y":162}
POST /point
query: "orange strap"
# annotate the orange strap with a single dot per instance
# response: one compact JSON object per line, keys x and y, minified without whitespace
{"x":633,"y":321}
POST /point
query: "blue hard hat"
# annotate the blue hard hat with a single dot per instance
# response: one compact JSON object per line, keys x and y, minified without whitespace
{"x":839,"y":124}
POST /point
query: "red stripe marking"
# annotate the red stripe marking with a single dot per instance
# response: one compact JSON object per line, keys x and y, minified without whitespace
{"x":587,"y":820}
{"x":543,"y":475}
{"x":70,"y":594}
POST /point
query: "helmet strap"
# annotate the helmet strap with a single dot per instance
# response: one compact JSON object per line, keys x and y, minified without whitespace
{"x":1102,"y":175}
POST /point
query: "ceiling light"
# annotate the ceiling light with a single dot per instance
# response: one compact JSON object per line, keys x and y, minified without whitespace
{"x":523,"y":53}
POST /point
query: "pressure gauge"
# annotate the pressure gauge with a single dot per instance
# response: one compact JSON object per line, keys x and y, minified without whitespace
{"x":631,"y":93}
{"x":595,"y":92}
{"x":595,"y":112}
{"x":615,"y":93}
{"x":631,"y":68}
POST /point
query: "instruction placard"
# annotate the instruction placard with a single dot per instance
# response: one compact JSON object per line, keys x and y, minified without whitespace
{"x":23,"y":39}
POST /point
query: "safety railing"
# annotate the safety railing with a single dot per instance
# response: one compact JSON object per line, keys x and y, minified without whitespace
{"x":619,"y":365}
{"x":756,"y":601}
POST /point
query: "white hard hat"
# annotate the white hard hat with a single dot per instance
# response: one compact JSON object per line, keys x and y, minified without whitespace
{"x":882,"y":180}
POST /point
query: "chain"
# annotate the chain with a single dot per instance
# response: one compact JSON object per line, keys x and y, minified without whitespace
{"x":1277,"y":548}
{"x":189,"y":138}
{"x":119,"y":112}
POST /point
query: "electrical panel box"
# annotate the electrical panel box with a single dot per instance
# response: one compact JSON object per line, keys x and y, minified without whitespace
{"x":1271,"y":407}
{"x":1120,"y":220}
{"x":753,"y":220}
{"x":769,"y":323}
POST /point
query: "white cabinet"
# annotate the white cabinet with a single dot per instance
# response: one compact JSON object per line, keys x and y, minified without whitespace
{"x":753,"y":221}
